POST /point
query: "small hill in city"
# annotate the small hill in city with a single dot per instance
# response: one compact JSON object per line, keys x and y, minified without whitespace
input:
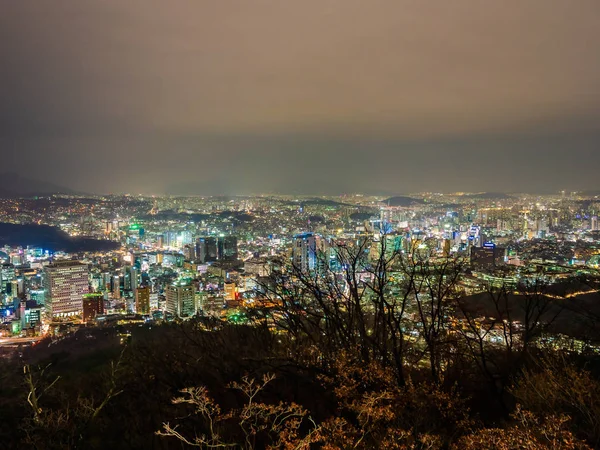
{"x":49,"y":238}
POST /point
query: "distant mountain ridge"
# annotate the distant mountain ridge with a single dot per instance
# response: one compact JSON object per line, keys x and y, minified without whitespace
{"x":490,"y":196}
{"x":14,"y":185}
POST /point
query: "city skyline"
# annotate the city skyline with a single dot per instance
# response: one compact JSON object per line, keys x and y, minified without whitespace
{"x":300,"y":224}
{"x":303,"y":97}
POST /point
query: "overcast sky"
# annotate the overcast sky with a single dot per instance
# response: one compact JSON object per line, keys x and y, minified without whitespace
{"x":302,"y":96}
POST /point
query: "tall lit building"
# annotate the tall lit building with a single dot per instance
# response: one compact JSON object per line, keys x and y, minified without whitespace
{"x":185,"y":238}
{"x":230,"y":291}
{"x":200,"y":250}
{"x":475,"y":237}
{"x":447,"y":247}
{"x":116,"y":286}
{"x":227,"y":248}
{"x":211,"y":249}
{"x":304,"y":252}
{"x":65,"y":283}
{"x":133,"y":278}
{"x":142,"y":300}
{"x":180,"y":300}
{"x":169,"y":239}
{"x":7,"y":275}
{"x":38,"y":295}
{"x":93,"y":305}
{"x":206,"y":249}
{"x":487,"y":257}
{"x":189,"y":251}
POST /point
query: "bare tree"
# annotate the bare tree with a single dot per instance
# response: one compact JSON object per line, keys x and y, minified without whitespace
{"x":374,"y":300}
{"x":345,"y":306}
{"x":255,"y":425}
{"x":433,"y":285}
{"x":65,"y":426}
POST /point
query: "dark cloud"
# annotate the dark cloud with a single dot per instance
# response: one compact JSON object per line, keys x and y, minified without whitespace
{"x":309,"y":96}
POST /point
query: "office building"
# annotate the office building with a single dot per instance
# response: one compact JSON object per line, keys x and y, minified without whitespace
{"x":65,"y":283}
{"x":304,"y":252}
{"x":227,"y":248}
{"x":7,"y":275}
{"x":142,"y":300}
{"x":230,"y":291}
{"x":38,"y":295}
{"x":487,"y":257}
{"x":206,"y":249}
{"x":189,"y":252}
{"x":93,"y":305}
{"x":33,"y":317}
{"x":180,"y":300}
{"x":134,"y":276}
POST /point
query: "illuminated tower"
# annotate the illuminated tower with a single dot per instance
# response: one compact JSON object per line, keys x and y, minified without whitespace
{"x":304,"y":252}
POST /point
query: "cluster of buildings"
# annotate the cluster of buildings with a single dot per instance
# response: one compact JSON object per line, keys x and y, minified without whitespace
{"x":180,"y":257}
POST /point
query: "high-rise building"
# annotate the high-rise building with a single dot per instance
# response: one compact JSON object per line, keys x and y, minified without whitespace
{"x":206,"y":249}
{"x":133,"y":278}
{"x":230,"y":291}
{"x":7,"y":275}
{"x":180,"y":300}
{"x":447,"y":247}
{"x":142,"y":300}
{"x":304,"y":252}
{"x":227,"y":248}
{"x":38,"y":295}
{"x":14,"y":288}
{"x":211,"y":249}
{"x":475,"y":238}
{"x":116,"y":286}
{"x":93,"y":305}
{"x":189,"y":251}
{"x":200,"y":250}
{"x":169,"y":239}
{"x":65,"y":283}
{"x":185,"y":238}
{"x":594,"y":225}
{"x":487,"y":257}
{"x":542,"y":229}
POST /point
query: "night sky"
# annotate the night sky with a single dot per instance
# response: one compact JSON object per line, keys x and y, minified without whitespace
{"x":301,"y":96}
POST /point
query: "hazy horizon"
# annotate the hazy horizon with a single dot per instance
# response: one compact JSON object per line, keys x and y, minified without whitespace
{"x":390,"y":96}
{"x":45,"y":186}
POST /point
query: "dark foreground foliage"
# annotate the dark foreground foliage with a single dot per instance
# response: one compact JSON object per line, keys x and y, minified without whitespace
{"x":209,"y":385}
{"x":385,"y":351}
